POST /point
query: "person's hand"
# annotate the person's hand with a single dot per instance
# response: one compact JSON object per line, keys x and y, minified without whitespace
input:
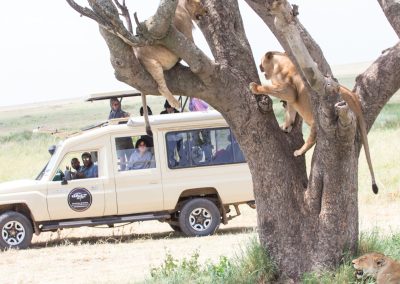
{"x":80,"y":175}
{"x":67,"y":168}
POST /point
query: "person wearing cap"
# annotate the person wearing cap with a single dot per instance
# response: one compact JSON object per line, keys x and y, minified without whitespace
{"x":116,"y":110}
{"x":168,"y":108}
{"x":89,"y":170}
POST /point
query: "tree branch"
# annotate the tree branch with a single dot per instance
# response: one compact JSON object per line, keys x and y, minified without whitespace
{"x":129,"y":70}
{"x":391,"y":8}
{"x":313,"y":48}
{"x":379,"y":83}
{"x":106,"y":15}
{"x":158,"y":25}
{"x":286,"y":24}
{"x":224,"y":31}
{"x":125,"y":13}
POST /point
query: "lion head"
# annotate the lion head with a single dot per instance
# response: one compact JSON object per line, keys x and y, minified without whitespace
{"x":368,"y":264}
{"x":195,"y":9}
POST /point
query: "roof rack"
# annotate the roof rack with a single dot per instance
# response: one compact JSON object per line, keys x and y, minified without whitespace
{"x":110,"y":95}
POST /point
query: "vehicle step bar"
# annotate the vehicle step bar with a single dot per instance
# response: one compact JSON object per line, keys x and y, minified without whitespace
{"x":54,"y":225}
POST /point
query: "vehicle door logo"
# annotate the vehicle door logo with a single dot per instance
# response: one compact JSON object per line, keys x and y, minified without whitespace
{"x":79,"y":199}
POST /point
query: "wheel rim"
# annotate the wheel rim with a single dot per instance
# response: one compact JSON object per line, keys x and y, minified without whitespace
{"x":13,"y":233}
{"x":200,"y":219}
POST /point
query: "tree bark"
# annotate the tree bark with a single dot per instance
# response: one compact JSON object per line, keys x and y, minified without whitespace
{"x":305,"y":223}
{"x":391,"y":8}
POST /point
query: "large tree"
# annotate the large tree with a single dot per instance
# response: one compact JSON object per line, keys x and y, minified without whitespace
{"x":304,"y":222}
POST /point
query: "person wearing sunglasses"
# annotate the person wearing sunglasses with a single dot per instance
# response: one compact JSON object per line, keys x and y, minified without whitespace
{"x":142,"y":158}
{"x":116,"y":109}
{"x":89,"y":169}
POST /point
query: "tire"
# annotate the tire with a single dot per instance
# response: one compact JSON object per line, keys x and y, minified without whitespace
{"x":16,"y":230}
{"x":199,"y":217}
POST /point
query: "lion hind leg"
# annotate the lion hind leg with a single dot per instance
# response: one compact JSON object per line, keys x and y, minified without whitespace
{"x":156,"y":71}
{"x":309,"y":143}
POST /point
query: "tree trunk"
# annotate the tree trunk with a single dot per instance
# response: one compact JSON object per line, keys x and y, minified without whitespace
{"x":305,"y":223}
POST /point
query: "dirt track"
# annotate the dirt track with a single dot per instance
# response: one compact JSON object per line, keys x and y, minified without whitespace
{"x":126,"y":254}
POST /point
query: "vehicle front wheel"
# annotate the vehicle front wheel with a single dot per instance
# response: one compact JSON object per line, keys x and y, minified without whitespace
{"x":199,"y":217}
{"x":16,"y":230}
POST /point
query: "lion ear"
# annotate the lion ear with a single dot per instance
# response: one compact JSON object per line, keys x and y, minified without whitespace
{"x":380,"y":261}
{"x":269,"y":55}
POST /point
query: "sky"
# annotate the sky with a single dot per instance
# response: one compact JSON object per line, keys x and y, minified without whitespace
{"x":48,"y":52}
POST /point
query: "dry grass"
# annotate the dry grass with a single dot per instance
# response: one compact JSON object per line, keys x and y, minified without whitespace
{"x":126,"y":254}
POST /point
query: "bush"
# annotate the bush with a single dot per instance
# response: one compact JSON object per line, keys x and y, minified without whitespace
{"x":252,"y":266}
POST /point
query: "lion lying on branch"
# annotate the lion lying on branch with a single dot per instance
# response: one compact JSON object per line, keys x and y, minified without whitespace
{"x":157,"y":58}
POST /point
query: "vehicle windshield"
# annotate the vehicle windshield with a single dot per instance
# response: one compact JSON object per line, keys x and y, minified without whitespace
{"x":50,"y":164}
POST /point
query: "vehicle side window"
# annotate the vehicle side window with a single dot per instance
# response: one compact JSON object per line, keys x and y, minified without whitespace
{"x":202,"y":147}
{"x":78,"y":165}
{"x":135,"y":152}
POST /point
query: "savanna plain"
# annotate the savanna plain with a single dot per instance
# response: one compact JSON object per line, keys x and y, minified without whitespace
{"x":151,"y":251}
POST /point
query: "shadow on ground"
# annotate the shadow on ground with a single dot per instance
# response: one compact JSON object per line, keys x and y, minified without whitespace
{"x":127,"y":238}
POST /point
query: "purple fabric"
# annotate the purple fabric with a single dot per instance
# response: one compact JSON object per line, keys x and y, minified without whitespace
{"x":197,"y":105}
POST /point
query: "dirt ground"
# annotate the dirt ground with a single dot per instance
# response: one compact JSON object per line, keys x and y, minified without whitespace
{"x":126,"y":254}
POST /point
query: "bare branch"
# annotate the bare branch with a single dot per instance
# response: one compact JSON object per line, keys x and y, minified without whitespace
{"x":391,"y":8}
{"x":106,"y":15}
{"x":125,"y":13}
{"x":285,"y":23}
{"x":379,"y":83}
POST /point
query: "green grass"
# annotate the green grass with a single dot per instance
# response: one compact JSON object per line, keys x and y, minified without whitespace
{"x":253,"y":265}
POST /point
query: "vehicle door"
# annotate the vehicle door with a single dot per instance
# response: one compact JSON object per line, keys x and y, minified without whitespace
{"x":82,"y":196}
{"x":137,"y":174}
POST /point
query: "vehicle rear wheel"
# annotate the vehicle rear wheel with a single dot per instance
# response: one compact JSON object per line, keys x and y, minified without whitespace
{"x":199,"y":217}
{"x":16,"y":230}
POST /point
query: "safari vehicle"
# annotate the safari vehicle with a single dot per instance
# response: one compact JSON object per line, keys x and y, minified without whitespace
{"x":193,"y":176}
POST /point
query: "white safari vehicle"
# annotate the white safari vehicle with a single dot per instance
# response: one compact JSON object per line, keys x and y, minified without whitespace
{"x":190,"y":174}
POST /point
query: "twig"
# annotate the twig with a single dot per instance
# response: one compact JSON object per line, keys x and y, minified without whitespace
{"x":125,"y":13}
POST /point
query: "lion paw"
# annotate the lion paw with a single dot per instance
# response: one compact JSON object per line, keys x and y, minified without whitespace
{"x":253,"y":87}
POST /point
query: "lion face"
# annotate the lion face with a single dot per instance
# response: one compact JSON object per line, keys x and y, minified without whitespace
{"x":195,"y":9}
{"x":267,"y":65}
{"x":368,"y":264}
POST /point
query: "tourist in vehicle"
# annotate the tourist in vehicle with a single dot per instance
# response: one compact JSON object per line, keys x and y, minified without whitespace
{"x":116,"y":109}
{"x":76,"y":165}
{"x":89,"y":169}
{"x":168,"y":108}
{"x":148,"y":111}
{"x":196,"y":104}
{"x":141,"y":158}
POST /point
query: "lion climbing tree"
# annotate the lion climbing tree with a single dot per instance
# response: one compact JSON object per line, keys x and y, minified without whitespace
{"x":304,"y":222}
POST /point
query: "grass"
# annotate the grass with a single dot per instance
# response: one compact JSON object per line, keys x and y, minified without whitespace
{"x":23,"y":154}
{"x":253,"y":265}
